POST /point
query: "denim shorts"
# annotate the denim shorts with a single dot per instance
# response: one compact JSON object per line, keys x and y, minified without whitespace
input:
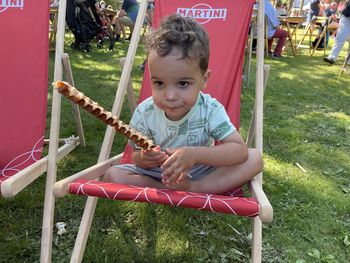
{"x":196,"y":173}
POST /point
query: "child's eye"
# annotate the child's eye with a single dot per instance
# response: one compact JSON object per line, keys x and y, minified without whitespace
{"x":183,"y":84}
{"x":158,"y":83}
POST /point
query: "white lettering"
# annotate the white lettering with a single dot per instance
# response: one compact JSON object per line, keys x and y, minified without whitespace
{"x":12,"y":3}
{"x":203,"y":12}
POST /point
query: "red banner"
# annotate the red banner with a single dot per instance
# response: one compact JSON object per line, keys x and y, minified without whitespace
{"x":24,"y":26}
{"x":227,"y":23}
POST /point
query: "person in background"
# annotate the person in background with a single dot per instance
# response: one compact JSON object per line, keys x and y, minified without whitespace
{"x":126,"y":17}
{"x":95,"y":9}
{"x":285,"y":6}
{"x":331,"y":11}
{"x":280,"y":10}
{"x":341,"y":5}
{"x":315,"y":7}
{"x":343,"y":35}
{"x":54,"y":3}
{"x":324,"y":5}
{"x":274,"y":31}
{"x":150,"y":11}
{"x":102,"y":5}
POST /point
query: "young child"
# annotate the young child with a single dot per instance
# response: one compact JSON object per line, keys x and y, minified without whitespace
{"x":280,"y":10}
{"x":183,"y":121}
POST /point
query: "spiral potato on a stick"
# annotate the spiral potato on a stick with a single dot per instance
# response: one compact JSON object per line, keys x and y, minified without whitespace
{"x":99,"y":112}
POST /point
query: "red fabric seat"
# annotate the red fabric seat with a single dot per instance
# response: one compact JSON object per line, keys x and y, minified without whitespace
{"x":232,"y":203}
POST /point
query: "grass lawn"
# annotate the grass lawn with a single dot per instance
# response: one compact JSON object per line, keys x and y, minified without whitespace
{"x":306,"y":122}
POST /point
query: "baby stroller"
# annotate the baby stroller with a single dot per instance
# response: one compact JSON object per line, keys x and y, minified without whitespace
{"x":84,"y":22}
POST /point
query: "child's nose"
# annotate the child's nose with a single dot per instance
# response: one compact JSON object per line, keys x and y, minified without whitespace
{"x":170,"y":93}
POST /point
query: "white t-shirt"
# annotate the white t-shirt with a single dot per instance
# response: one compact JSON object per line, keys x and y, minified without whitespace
{"x":205,"y":123}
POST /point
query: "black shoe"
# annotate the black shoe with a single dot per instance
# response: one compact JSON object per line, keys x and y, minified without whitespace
{"x":277,"y":56}
{"x":329,"y":60}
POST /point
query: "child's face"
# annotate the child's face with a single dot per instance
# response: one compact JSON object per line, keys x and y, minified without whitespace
{"x":176,"y":83}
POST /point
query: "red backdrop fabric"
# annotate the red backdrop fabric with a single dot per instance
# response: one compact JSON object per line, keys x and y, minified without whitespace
{"x":227,"y":23}
{"x":24,"y":28}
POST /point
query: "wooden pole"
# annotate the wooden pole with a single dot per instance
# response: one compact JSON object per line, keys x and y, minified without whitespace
{"x":301,"y":7}
{"x":76,"y":113}
{"x":91,"y":203}
{"x":259,"y":93}
{"x":251,"y":130}
{"x":22,"y":179}
{"x":49,"y":203}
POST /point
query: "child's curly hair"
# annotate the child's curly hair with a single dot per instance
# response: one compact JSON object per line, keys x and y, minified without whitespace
{"x":181,"y":34}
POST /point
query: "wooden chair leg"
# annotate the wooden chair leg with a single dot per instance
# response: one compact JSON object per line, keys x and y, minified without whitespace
{"x":84,"y":230}
{"x":257,"y":240}
{"x":248,"y":56}
{"x":266,"y":38}
{"x":343,"y":68}
{"x":91,"y":203}
{"x":75,"y":108}
{"x":307,"y":29}
{"x":321,"y":36}
{"x":249,"y":62}
{"x":251,"y":129}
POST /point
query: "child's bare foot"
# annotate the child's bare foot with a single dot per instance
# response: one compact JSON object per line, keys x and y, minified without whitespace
{"x":183,"y":185}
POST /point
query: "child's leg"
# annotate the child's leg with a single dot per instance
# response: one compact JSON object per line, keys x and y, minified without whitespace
{"x":225,"y":179}
{"x":121,"y":176}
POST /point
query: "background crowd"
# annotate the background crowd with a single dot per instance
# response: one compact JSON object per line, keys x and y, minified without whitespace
{"x":117,"y":20}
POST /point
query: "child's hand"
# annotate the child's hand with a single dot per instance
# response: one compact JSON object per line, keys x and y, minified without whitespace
{"x":154,"y":157}
{"x":177,"y":166}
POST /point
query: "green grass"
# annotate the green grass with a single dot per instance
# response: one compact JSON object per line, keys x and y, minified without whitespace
{"x":306,"y":121}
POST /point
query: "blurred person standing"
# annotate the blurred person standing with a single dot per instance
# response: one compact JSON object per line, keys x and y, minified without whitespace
{"x":315,"y":7}
{"x":343,"y":34}
{"x":126,"y":17}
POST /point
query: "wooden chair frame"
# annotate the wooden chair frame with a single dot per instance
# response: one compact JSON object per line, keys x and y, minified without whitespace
{"x":309,"y":31}
{"x":62,"y":66}
{"x":292,"y":24}
{"x":344,"y":67}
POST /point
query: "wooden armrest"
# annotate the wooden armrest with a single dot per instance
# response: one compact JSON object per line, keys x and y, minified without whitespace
{"x":16,"y":183}
{"x":266,"y":210}
{"x":60,"y":188}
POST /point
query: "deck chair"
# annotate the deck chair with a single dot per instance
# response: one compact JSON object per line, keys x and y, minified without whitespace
{"x":292,"y":23}
{"x":223,"y":13}
{"x":345,"y":66}
{"x":24,"y":96}
{"x":62,"y":69}
{"x":24,"y":83}
{"x":317,"y":28}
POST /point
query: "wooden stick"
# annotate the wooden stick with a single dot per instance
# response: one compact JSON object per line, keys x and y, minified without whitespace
{"x":107,"y":117}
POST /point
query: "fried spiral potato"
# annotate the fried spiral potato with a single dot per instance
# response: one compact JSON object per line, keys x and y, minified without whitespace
{"x":99,"y":112}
